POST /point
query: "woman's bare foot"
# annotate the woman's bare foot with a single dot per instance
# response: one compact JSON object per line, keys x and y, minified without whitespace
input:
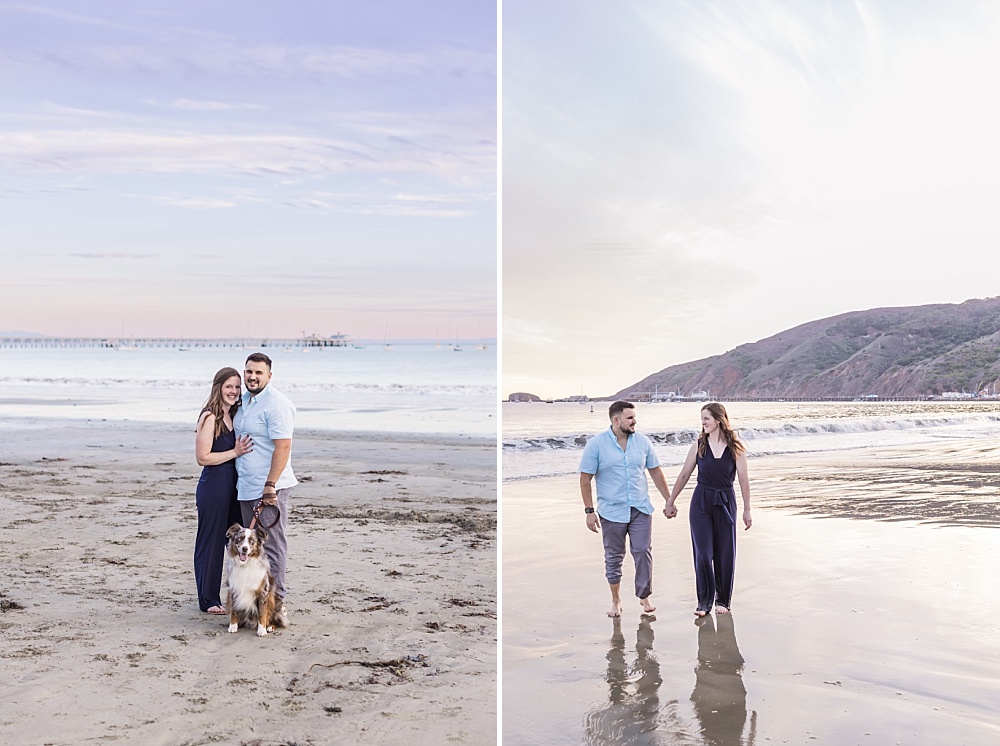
{"x":701,"y":612}
{"x":647,"y":607}
{"x":721,"y":610}
{"x":215,"y":610}
{"x":616,"y":609}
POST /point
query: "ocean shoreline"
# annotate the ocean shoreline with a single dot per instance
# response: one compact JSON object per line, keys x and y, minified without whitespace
{"x":40,"y":422}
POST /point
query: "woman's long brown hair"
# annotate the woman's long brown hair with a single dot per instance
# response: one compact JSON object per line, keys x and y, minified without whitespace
{"x":719,"y":413}
{"x":215,"y":404}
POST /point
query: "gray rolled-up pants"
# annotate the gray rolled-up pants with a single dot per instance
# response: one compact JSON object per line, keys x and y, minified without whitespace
{"x":639,"y":531}
{"x":276,"y":546}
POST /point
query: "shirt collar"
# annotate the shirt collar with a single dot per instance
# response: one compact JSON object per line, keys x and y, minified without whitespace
{"x":611,"y":434}
{"x":249,"y":398}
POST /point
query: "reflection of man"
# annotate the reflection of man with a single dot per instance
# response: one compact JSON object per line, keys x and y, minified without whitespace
{"x":617,"y":460}
{"x":267,"y":416}
{"x":631,"y":717}
{"x":719,"y":697}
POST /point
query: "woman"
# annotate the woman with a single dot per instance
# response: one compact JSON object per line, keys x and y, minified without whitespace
{"x":216,"y":448}
{"x":719,"y":456}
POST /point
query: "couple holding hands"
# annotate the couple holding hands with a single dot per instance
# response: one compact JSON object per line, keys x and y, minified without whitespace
{"x":617,"y":460}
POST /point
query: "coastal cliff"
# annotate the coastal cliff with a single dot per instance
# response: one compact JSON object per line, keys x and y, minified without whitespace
{"x":888,"y":352}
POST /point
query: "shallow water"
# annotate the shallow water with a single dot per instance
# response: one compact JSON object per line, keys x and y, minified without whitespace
{"x":873,"y":624}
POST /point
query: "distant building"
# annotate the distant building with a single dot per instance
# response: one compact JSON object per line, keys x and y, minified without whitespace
{"x":334,"y":340}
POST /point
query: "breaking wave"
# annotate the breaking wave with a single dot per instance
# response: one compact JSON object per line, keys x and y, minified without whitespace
{"x":800,"y":428}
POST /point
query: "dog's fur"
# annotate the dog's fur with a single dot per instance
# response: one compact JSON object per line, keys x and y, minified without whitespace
{"x":251,"y":593}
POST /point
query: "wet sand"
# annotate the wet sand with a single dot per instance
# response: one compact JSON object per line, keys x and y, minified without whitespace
{"x":865,"y":612}
{"x":392,"y":595}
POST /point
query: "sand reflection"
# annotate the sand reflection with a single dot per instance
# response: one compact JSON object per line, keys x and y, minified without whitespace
{"x":719,"y":697}
{"x":632,"y":711}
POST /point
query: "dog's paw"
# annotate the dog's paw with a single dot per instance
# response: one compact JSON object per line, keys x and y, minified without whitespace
{"x":233,"y":627}
{"x":261,"y":630}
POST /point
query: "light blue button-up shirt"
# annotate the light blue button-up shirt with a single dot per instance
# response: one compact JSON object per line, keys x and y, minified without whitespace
{"x":620,"y":475}
{"x":268,"y":416}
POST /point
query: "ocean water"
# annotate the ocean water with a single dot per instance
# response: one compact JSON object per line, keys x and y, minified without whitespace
{"x":541,"y":440}
{"x":408,"y":389}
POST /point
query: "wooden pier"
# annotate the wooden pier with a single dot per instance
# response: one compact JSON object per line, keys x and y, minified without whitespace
{"x":132,"y":343}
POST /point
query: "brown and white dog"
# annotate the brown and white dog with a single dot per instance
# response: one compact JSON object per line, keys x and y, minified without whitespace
{"x":250,"y":585}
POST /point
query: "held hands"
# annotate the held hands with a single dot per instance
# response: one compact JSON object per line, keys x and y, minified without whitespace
{"x":244,"y":444}
{"x":592,"y":522}
{"x":670,"y":510}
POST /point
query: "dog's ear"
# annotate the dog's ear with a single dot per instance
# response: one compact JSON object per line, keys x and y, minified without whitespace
{"x":261,"y":534}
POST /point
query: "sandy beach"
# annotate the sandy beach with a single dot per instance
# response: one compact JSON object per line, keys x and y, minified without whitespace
{"x":864,"y":612}
{"x":392,"y":594}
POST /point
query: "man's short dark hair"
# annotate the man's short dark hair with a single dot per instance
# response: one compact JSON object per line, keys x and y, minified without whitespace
{"x":259,"y":357}
{"x":618,"y":407}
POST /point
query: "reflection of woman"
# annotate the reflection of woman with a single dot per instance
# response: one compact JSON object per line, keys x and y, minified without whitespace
{"x":719,"y":697}
{"x":216,"y":449}
{"x":720,"y":458}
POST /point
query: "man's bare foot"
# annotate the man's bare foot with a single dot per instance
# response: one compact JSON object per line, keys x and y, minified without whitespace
{"x":721,"y":610}
{"x":646,"y":605}
{"x":616,"y":609}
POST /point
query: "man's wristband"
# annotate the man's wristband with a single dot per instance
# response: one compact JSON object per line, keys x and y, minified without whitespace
{"x":269,"y":484}
{"x":588,"y":511}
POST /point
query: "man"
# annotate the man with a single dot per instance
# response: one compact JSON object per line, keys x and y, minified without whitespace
{"x":618,"y":458}
{"x":267,"y":416}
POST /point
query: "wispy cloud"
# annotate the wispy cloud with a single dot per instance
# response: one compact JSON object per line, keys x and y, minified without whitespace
{"x":66,"y":17}
{"x":190,"y":105}
{"x":114,"y":255}
{"x":192,"y":203}
{"x":132,"y":151}
{"x":304,"y":66}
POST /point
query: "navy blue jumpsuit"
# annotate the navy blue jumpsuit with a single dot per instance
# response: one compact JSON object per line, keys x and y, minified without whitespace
{"x":217,"y":511}
{"x":713,"y":529}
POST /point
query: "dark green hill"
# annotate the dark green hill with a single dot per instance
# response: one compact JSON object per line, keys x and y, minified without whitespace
{"x":915,"y":351}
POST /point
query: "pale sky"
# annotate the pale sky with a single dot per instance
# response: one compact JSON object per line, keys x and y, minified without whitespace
{"x":680,"y":178}
{"x":251,"y":168}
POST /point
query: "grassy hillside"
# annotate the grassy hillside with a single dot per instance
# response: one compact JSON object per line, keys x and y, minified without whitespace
{"x":915,"y":351}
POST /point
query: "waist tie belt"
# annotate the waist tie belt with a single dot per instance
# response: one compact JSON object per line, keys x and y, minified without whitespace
{"x":721,"y":498}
